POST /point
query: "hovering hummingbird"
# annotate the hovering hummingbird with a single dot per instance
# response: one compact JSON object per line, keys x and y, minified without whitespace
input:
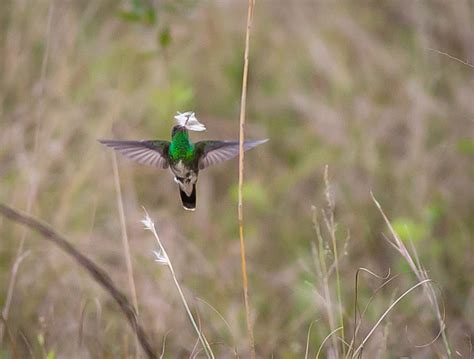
{"x":184,"y":158}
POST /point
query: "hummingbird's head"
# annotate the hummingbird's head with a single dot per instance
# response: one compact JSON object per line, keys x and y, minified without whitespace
{"x":177,"y":129}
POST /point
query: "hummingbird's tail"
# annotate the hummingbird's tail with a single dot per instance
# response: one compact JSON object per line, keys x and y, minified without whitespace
{"x":189,"y":202}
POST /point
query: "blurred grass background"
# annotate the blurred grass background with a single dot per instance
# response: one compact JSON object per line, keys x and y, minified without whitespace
{"x":361,"y":86}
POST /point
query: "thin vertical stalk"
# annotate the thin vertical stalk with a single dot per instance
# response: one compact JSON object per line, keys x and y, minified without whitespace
{"x":323,"y":273}
{"x":331,"y":226}
{"x":126,"y":246}
{"x":243,"y":103}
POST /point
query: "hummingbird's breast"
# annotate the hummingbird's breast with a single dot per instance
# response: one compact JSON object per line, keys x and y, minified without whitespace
{"x":185,"y":176}
{"x":184,"y":171}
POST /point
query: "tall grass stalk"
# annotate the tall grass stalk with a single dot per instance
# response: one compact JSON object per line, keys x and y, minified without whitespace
{"x":420,"y":274}
{"x":162,"y":257}
{"x":319,"y":254}
{"x":126,"y":245}
{"x":243,"y":103}
{"x":326,"y":258}
{"x":331,"y":226}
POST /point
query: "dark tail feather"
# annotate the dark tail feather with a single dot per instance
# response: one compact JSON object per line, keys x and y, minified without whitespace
{"x":189,"y":203}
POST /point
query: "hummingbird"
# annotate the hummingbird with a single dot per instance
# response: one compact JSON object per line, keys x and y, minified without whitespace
{"x":183,"y":157}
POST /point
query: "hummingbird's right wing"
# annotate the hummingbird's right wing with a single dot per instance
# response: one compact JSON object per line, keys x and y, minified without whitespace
{"x":152,"y":153}
{"x":214,"y":152}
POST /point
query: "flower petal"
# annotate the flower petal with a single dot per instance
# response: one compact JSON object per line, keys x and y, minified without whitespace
{"x":189,"y":121}
{"x":148,"y":223}
{"x":160,"y":258}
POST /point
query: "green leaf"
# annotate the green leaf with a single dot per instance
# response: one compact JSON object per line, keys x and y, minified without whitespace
{"x":138,"y":14}
{"x":253,"y":193}
{"x":433,"y":214}
{"x":408,"y":229}
{"x":165,"y":37}
{"x":137,"y":4}
{"x":466,"y":146}
{"x":150,"y":16}
{"x":130,"y":16}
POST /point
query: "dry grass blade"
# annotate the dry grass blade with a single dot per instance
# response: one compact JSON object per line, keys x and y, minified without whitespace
{"x":367,"y":337}
{"x":9,"y":335}
{"x":356,"y":305}
{"x":98,"y":274}
{"x":325,"y":340}
{"x":241,"y":180}
{"x":306,"y":352}
{"x":452,"y":57}
{"x":82,"y":319}
{"x":16,"y":265}
{"x":420,"y":274}
{"x":234,"y":347}
{"x":163,"y":347}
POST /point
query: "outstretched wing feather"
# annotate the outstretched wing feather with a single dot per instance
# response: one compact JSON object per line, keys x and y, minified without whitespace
{"x":214,"y":152}
{"x":151,"y":153}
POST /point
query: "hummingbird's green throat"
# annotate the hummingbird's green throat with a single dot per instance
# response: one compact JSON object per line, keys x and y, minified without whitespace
{"x":181,"y":148}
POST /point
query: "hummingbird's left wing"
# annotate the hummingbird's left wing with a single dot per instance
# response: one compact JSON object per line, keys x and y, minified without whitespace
{"x":214,"y":152}
{"x":151,"y":153}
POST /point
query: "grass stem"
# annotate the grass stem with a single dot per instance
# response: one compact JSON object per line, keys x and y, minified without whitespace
{"x":126,"y":245}
{"x":243,"y":103}
{"x":331,"y":226}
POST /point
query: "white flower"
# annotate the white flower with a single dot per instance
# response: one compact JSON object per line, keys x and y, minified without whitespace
{"x":189,"y":121}
{"x":148,"y":223}
{"x":160,"y":258}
